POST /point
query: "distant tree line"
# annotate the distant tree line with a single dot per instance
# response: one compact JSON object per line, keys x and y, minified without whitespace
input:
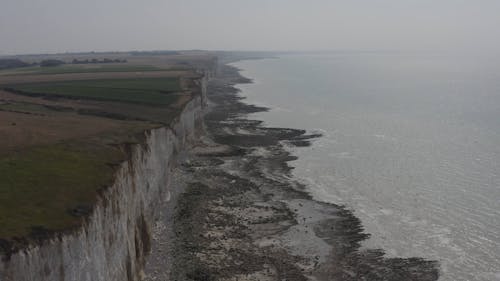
{"x":13,"y":63}
{"x":153,"y":53}
{"x":16,"y":63}
{"x":87,"y":61}
{"x":51,"y":62}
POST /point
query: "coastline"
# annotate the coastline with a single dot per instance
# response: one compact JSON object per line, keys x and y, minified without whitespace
{"x":239,"y":214}
{"x":113,"y":239}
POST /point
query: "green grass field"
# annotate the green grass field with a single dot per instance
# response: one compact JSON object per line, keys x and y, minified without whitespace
{"x":50,"y":188}
{"x":66,"y":69}
{"x":25,"y":107}
{"x":43,"y":186}
{"x":152,"y":91}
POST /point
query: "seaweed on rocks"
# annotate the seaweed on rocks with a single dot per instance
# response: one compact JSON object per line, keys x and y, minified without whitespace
{"x":242,"y":215}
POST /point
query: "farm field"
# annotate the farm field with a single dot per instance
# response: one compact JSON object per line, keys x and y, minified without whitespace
{"x":153,"y":91}
{"x":81,"y":69}
{"x":65,"y":129}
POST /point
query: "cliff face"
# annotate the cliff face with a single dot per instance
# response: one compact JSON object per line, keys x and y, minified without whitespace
{"x":112,"y":244}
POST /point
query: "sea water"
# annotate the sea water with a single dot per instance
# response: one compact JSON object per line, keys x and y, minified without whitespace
{"x":411,"y":144}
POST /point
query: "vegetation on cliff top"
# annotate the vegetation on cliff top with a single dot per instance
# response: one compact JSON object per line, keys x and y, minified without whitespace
{"x":61,"y":139}
{"x":153,"y":91}
{"x":67,"y":69}
{"x":47,"y":187}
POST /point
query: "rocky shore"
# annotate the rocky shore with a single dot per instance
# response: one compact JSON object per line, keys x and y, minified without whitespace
{"x":236,"y":212}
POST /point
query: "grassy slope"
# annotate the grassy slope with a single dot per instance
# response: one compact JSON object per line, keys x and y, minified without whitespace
{"x":51,"y":187}
{"x":45,"y":188}
{"x":151,"y":91}
{"x":41,"y":186}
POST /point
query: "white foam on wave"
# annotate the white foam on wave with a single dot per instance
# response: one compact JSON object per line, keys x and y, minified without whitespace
{"x":422,"y":186}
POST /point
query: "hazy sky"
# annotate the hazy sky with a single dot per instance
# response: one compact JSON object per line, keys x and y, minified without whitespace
{"x":34,"y":26}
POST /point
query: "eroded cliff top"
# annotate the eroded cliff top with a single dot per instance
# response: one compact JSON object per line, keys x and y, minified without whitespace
{"x":65,"y":128}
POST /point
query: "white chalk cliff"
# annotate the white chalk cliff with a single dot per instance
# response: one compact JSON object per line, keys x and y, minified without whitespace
{"x":113,"y":242}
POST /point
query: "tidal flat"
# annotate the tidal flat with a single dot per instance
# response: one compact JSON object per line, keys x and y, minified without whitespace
{"x":240,"y":214}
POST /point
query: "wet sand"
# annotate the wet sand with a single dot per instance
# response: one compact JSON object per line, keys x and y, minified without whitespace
{"x":236,"y":213}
